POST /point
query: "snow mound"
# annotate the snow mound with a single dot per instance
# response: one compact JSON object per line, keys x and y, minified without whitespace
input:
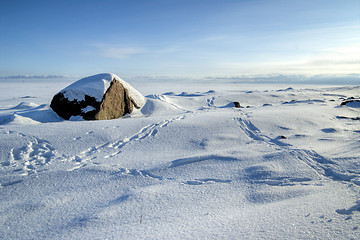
{"x":25,"y":105}
{"x":27,"y":113}
{"x":155,"y":107}
{"x":18,"y":119}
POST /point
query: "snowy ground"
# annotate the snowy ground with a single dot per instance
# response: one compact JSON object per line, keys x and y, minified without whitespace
{"x":187,"y":166}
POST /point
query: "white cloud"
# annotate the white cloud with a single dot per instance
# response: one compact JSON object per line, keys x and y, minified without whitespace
{"x":344,"y":59}
{"x":341,"y":60}
{"x":120,"y":53}
{"x":349,"y":54}
{"x":291,"y":78}
{"x":338,"y":79}
{"x":43,"y":76}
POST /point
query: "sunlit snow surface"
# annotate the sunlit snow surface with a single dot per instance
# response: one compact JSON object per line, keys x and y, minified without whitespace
{"x":188,"y":165}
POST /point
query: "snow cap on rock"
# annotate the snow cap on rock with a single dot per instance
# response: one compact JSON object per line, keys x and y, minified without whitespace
{"x":96,"y":86}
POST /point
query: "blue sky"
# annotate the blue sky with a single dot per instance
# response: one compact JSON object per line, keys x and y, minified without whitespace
{"x":197,"y":38}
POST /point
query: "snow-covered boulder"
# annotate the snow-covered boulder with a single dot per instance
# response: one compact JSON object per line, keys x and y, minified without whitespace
{"x":98,"y":97}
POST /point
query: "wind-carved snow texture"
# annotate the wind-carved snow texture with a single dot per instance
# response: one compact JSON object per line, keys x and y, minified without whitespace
{"x":350,"y":210}
{"x":187,"y":159}
{"x":177,"y":164}
{"x":191,"y":160}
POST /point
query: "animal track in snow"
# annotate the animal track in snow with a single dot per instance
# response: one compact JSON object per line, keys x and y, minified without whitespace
{"x":37,"y":152}
{"x":322,"y":165}
{"x":135,"y":172}
{"x":254,"y":133}
{"x":80,"y":137}
{"x":250,"y":129}
{"x":210,"y":101}
{"x":27,"y":159}
{"x":145,"y":132}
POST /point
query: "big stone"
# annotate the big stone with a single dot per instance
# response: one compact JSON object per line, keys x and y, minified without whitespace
{"x":98,"y":97}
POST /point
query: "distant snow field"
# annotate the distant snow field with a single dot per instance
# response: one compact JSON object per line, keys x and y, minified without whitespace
{"x":188,"y":165}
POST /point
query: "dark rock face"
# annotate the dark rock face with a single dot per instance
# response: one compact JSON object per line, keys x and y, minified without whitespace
{"x":115,"y":103}
{"x":65,"y":108}
{"x":236,"y":104}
